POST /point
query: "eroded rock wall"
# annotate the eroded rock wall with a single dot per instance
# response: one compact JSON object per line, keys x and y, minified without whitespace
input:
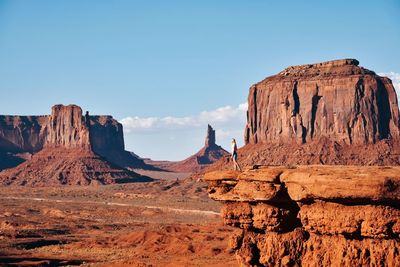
{"x":311,"y":215}
{"x":22,"y":133}
{"x":66,"y":127}
{"x":106,"y":134}
{"x":337,"y":100}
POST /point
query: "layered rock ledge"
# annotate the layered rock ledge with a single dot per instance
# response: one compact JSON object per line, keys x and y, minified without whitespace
{"x":311,"y":215}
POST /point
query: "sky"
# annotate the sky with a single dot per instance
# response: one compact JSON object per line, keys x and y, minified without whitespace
{"x":165,"y":69}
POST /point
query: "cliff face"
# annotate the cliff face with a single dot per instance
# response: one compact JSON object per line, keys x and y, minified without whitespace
{"x":67,"y":128}
{"x":311,"y":215}
{"x":22,"y":133}
{"x":337,"y":100}
{"x":106,"y":134}
{"x":107,"y":140}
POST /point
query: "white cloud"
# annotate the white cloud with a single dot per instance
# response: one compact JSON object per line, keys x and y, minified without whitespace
{"x":223,"y":117}
{"x":227,"y":134}
{"x":395,"y":77}
{"x":159,"y":137}
{"x":136,"y":122}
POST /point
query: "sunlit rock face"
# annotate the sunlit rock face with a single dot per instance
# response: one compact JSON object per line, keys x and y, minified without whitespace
{"x":66,"y":127}
{"x":311,"y":215}
{"x":337,"y":100}
{"x":68,"y":148}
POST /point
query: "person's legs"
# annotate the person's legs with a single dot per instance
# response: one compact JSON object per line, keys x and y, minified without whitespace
{"x":238,"y":166}
{"x":235,"y":163}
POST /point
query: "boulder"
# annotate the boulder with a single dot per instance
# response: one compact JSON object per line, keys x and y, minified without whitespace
{"x":350,"y":184}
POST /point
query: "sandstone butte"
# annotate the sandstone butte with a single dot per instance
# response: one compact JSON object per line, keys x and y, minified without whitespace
{"x":68,"y":147}
{"x":334,"y":112}
{"x":335,"y":99}
{"x":294,"y":213}
{"x":21,"y":136}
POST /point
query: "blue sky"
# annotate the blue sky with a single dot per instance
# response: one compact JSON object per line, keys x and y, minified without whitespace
{"x":167,"y":68}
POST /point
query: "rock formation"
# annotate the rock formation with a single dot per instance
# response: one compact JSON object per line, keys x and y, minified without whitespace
{"x":22,"y":133}
{"x":67,"y":156}
{"x":327,"y":113}
{"x":210,"y":137}
{"x":210,"y":153}
{"x":67,"y":128}
{"x":64,"y":127}
{"x":333,"y":112}
{"x":336,"y":99}
{"x":311,"y":215}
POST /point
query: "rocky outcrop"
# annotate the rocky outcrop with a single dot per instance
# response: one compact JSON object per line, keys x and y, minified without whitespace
{"x":106,"y":134}
{"x":210,"y":153}
{"x":311,"y":215}
{"x":334,"y":113}
{"x":107,"y":140}
{"x":66,"y":127}
{"x":337,"y":100}
{"x":210,"y":137}
{"x":68,"y":156}
{"x":22,"y":133}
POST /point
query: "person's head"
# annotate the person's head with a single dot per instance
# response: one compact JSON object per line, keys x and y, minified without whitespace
{"x":233,"y":141}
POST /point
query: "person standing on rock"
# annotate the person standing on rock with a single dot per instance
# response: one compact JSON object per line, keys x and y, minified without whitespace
{"x":235,"y":155}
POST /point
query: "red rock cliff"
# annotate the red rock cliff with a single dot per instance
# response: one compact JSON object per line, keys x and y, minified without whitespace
{"x":67,"y":128}
{"x":70,"y":144}
{"x":22,"y":133}
{"x":336,"y":99}
{"x":106,"y":134}
{"x":311,"y":215}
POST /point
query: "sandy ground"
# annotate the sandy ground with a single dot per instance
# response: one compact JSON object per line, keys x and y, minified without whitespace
{"x":163,"y":223}
{"x":166,"y":175}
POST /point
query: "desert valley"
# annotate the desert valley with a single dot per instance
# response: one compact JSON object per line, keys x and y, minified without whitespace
{"x":319,"y":186}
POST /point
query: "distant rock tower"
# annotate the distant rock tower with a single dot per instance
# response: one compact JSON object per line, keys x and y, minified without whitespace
{"x":210,"y":153}
{"x":210,"y":138}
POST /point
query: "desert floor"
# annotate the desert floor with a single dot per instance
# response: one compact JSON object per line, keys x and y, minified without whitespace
{"x":162,"y":223}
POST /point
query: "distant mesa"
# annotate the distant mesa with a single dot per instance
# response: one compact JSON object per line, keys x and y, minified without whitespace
{"x":67,"y":147}
{"x":210,"y":153}
{"x":29,"y":134}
